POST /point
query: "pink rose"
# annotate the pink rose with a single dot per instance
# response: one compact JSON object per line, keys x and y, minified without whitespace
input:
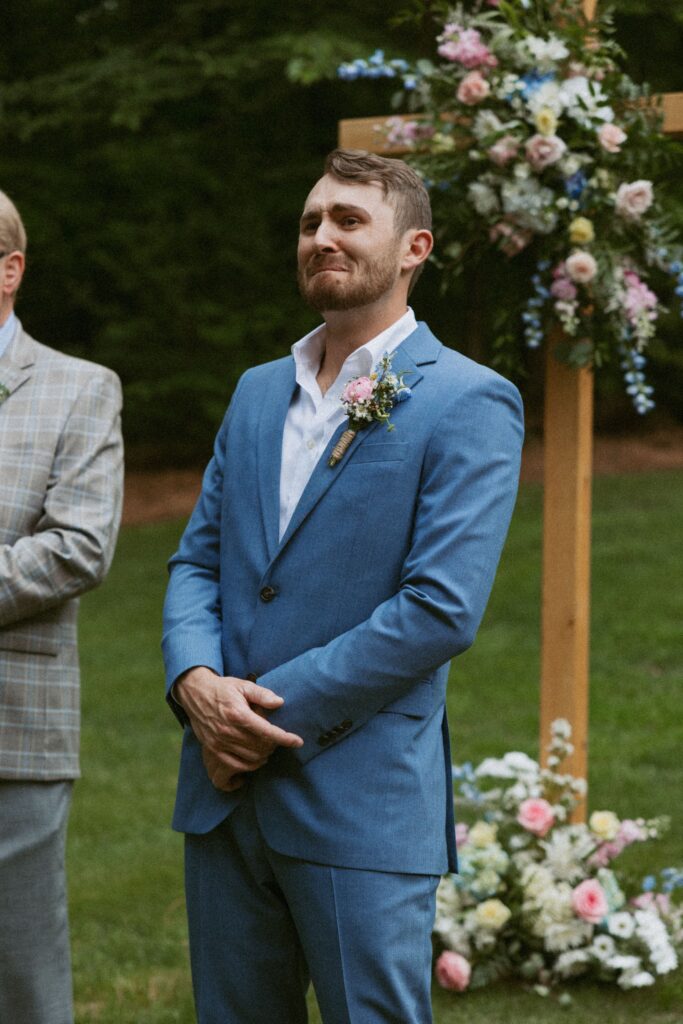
{"x":453,"y":971}
{"x":462,"y":833}
{"x":473,"y":89}
{"x":611,"y":137}
{"x":504,"y":150}
{"x":358,"y":390}
{"x":589,"y":901}
{"x":511,"y":240}
{"x":634,"y":199}
{"x":544,"y":150}
{"x":536,"y":816}
{"x":563,"y":289}
{"x":581,"y":267}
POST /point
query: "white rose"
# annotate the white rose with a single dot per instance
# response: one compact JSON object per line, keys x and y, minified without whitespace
{"x":632,"y":200}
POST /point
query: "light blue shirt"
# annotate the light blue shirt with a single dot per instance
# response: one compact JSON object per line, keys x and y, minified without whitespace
{"x":7,"y":332}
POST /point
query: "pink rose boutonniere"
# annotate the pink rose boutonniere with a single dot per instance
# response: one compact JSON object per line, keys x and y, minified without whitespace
{"x":369,"y":400}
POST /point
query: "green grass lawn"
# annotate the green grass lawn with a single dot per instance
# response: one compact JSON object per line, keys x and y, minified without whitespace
{"x":125,"y":865}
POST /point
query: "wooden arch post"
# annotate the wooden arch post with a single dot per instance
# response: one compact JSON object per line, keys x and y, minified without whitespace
{"x":567,"y":474}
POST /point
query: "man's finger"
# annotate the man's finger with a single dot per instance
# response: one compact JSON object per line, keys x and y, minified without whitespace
{"x":265,"y":730}
{"x":262,"y":696}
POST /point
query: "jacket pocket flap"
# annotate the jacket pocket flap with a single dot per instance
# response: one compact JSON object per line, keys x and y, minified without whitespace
{"x":29,"y":641}
{"x":381,"y":451}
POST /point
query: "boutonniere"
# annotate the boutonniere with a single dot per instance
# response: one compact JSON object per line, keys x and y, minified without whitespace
{"x":4,"y":392}
{"x":369,"y":400}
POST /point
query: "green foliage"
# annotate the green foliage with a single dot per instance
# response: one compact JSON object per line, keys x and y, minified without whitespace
{"x":160,"y":154}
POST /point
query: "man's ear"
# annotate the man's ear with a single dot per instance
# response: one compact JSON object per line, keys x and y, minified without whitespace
{"x":418,"y":243}
{"x":11,"y":272}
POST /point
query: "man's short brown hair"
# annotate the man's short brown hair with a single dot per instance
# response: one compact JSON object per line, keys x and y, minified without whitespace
{"x":403,"y":188}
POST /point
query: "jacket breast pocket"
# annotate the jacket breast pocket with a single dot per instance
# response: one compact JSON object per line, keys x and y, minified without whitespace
{"x":418,"y":702}
{"x":381,"y":451}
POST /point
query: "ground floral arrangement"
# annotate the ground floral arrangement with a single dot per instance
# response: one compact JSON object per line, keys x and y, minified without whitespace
{"x":532,"y":140}
{"x":539,"y":898}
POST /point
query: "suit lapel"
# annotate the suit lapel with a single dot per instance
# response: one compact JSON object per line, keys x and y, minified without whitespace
{"x":269,"y":453}
{"x":16,"y":362}
{"x":419,"y":348}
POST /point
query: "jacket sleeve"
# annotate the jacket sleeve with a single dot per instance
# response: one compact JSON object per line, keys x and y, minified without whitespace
{"x":467,"y":494}
{"x":192,"y":627}
{"x":73,"y":543}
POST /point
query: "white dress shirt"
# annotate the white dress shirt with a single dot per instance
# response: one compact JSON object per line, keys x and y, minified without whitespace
{"x":312,"y":417}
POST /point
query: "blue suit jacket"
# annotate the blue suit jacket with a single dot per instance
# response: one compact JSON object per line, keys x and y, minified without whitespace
{"x":381,"y":578}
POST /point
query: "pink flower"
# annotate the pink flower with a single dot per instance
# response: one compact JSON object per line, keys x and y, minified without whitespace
{"x":453,"y":971}
{"x":473,"y":89}
{"x":544,"y":150}
{"x":358,"y":390}
{"x":638,"y":298}
{"x":657,"y":901}
{"x":631,"y":832}
{"x":611,"y":137}
{"x":563,"y":289}
{"x":536,"y":816}
{"x":634,"y":199}
{"x":462,"y":833}
{"x":589,"y":901}
{"x":511,"y":240}
{"x":468,"y":50}
{"x":504,"y":150}
{"x":405,"y":133}
{"x":581,"y":267}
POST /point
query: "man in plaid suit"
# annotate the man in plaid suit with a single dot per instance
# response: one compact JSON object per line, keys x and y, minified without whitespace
{"x":60,"y":503}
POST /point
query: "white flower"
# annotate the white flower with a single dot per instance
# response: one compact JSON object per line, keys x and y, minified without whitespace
{"x":624,"y":962}
{"x":530,"y":204}
{"x":521,"y":763}
{"x":585,"y":101}
{"x":561,"y":728}
{"x":564,"y":852}
{"x":635,"y":979}
{"x":494,"y":768}
{"x":621,"y":924}
{"x":566,"y":935}
{"x":483,"y":198}
{"x":543,"y":52}
{"x":486,"y":123}
{"x":548,"y":95}
{"x":572,"y":962}
{"x":603,"y":947}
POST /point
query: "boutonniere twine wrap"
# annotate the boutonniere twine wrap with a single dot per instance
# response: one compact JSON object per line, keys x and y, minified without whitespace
{"x":369,"y":400}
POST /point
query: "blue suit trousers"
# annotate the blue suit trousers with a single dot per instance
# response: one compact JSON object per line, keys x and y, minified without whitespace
{"x":262,"y":925}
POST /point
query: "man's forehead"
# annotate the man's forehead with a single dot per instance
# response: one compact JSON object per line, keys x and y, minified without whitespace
{"x":330,"y":191}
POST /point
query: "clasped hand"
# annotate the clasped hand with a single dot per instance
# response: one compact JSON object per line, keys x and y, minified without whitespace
{"x":227,"y":716}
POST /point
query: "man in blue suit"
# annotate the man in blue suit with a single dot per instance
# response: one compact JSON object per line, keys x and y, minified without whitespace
{"x":311,"y":615}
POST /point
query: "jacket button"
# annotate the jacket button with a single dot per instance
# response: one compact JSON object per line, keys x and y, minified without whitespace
{"x":267,"y":594}
{"x":346,"y":724}
{"x":324,"y":739}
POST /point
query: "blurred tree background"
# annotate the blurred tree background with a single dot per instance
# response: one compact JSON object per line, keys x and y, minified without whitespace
{"x":160,"y":154}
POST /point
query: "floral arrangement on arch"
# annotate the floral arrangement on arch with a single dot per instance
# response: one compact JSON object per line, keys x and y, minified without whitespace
{"x":540,"y":898}
{"x":532,"y":140}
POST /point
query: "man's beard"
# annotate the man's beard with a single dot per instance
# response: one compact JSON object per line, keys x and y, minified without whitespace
{"x":372,"y":280}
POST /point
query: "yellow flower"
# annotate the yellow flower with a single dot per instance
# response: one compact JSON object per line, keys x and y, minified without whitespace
{"x":581,"y":231}
{"x":442,"y":143}
{"x":546,"y":122}
{"x":492,"y":914}
{"x":482,"y":834}
{"x":605,"y":824}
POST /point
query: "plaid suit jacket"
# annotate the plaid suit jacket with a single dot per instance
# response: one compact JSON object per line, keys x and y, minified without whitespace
{"x":61,"y":460}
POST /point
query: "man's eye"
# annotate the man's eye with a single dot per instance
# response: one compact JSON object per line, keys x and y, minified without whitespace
{"x":309,"y":227}
{"x":350,"y":222}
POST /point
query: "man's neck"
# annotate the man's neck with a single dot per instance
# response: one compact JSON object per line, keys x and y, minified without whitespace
{"x":6,"y":309}
{"x":349,"y":329}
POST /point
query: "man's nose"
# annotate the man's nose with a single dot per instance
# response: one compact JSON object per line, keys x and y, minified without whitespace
{"x":325,"y":239}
